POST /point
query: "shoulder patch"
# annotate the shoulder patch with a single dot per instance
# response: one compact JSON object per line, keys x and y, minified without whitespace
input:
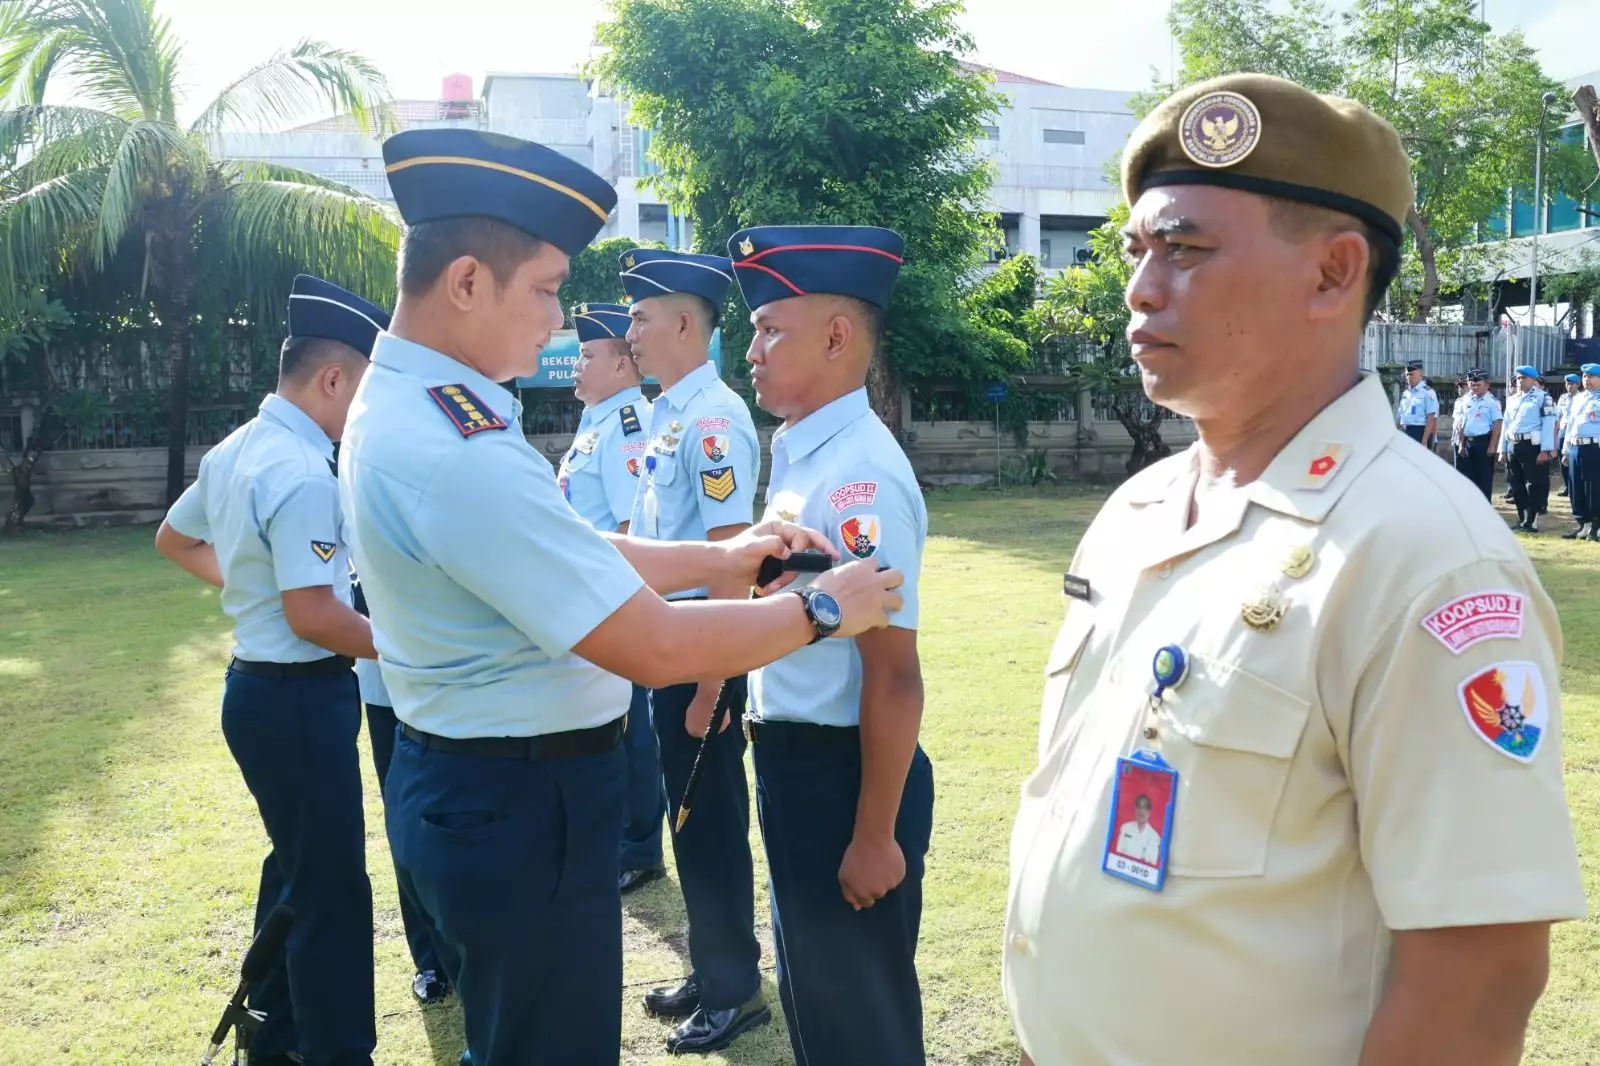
{"x":1506,"y":705}
{"x":630,"y":421}
{"x":1469,"y":620}
{"x":861,"y":535}
{"x":323,"y":550}
{"x":715,"y":445}
{"x":855,"y":494}
{"x":713,"y":425}
{"x":462,"y":406}
{"x":719,"y":483}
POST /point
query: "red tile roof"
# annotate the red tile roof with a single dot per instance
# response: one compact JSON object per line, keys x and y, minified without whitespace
{"x":1006,"y":76}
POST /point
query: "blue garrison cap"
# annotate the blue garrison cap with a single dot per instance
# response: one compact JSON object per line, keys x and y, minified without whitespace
{"x":777,"y":262}
{"x":454,"y":173}
{"x":1574,"y":379}
{"x":1415,"y":364}
{"x":648,"y":272}
{"x":320,"y":308}
{"x":1477,"y":374}
{"x":599,"y":322}
{"x":1592,"y":369}
{"x":1529,"y":371}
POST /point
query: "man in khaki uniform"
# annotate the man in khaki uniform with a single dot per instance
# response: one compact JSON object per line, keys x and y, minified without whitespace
{"x":1330,"y":639}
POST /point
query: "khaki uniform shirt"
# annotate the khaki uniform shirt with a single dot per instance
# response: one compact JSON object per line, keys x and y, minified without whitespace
{"x":1385,"y":754}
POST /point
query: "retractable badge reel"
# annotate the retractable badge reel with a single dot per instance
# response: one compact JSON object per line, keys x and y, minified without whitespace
{"x":1144,"y":796}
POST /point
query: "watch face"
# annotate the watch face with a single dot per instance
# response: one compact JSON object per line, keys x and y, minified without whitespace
{"x":825,"y":609}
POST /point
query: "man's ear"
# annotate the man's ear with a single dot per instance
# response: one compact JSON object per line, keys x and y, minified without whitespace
{"x":840,"y":332}
{"x":464,"y":280}
{"x":1343,"y":266}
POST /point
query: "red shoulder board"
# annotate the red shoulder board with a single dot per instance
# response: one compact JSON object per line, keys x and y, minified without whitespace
{"x":470,"y":414}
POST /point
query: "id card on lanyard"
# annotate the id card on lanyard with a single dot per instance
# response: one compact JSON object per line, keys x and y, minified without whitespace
{"x":1139,"y":831}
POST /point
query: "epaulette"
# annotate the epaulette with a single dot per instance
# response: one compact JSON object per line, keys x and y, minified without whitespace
{"x":630,"y":421}
{"x":462,"y":406}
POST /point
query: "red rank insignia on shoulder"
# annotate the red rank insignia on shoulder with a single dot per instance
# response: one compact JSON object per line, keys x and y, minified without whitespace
{"x":462,"y":406}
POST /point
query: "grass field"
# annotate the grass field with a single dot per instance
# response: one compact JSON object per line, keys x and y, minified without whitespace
{"x":129,"y":848}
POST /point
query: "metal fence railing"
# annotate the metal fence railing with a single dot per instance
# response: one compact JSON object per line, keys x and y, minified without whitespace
{"x":1447,"y":352}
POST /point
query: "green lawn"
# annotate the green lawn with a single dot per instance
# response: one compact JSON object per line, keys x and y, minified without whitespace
{"x":129,"y":848}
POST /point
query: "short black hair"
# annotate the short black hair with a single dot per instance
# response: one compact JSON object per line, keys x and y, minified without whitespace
{"x":870,"y":317}
{"x":1298,"y":221}
{"x":429,"y":247}
{"x":1142,"y":798}
{"x":301,"y":357}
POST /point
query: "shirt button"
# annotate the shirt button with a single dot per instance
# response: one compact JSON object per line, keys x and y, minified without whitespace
{"x":1021,"y":945}
{"x":1165,"y":571}
{"x":1151,"y":732}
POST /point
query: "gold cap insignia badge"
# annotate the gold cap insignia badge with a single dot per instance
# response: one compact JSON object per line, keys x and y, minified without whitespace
{"x":583,"y":309}
{"x":1220,"y":129}
{"x":630,"y":262}
{"x":747,"y":246}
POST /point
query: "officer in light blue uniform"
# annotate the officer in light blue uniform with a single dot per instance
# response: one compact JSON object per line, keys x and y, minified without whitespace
{"x":508,"y":629}
{"x":699,"y":483}
{"x":1527,"y":447}
{"x":600,"y":477}
{"x":1418,"y":409}
{"x":1477,"y":430}
{"x":844,"y":791}
{"x":1583,"y":446}
{"x":1574,"y":385}
{"x":263,"y":521}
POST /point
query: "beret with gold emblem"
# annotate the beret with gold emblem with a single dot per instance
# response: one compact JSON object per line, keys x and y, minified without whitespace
{"x":1269,"y":136}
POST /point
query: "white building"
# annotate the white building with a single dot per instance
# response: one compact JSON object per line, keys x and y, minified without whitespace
{"x":1050,"y":145}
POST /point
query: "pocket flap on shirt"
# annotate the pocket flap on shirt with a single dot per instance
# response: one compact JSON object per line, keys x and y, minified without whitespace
{"x":1070,"y":639}
{"x":1222,"y":706}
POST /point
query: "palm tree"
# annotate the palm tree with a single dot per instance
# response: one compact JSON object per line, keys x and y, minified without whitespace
{"x":116,"y":176}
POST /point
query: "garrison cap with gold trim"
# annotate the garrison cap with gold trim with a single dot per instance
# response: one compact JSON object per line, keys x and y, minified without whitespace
{"x":648,"y":272}
{"x":777,"y":262}
{"x":1270,"y":136}
{"x":320,"y":308}
{"x":438,"y":174}
{"x":599,"y":322}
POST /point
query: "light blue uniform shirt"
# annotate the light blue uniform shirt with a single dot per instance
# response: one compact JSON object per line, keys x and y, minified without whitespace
{"x":267,"y":501}
{"x":700,"y":464}
{"x":599,"y":475}
{"x":1530,"y":415}
{"x":1563,"y":412}
{"x":840,"y":470}
{"x":369,"y":676}
{"x":1417,"y":402}
{"x":479,"y":576}
{"x":1478,"y":414}
{"x":1585,"y":417}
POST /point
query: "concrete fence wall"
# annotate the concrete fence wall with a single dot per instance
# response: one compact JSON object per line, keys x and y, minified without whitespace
{"x":125,"y":486}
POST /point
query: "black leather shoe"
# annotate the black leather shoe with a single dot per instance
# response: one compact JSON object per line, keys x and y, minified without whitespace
{"x":633,"y":880}
{"x":1563,"y":492}
{"x":713,"y":1030}
{"x":1532,"y":524}
{"x":1574,"y":534}
{"x":1594,"y":531}
{"x":430,"y":987}
{"x":678,"y":1002}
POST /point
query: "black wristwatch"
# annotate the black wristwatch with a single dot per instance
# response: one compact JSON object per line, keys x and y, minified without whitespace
{"x":823,"y":611}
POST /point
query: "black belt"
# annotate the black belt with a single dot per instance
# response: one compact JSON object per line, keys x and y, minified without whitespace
{"x":333,"y":664}
{"x":801,"y":734}
{"x":1480,"y":436}
{"x":572,"y":744}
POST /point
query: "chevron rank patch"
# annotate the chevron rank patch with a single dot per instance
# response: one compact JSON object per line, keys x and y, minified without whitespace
{"x":462,"y":406}
{"x":630,"y":421}
{"x":324,"y":550}
{"x":718,"y":484}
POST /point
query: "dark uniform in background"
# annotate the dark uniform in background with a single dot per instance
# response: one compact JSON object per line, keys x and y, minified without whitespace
{"x":1478,"y":423}
{"x":1529,"y":447}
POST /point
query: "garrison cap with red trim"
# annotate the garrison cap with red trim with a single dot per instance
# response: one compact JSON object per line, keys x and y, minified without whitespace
{"x":455,"y":173}
{"x":599,"y":322}
{"x":320,"y":308}
{"x":778,"y":262}
{"x":648,"y":272}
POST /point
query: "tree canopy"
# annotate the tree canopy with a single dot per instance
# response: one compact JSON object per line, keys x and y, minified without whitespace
{"x":848,"y":112}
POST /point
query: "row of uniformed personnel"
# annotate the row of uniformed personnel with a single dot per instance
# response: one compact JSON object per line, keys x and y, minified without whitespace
{"x":505,"y":630}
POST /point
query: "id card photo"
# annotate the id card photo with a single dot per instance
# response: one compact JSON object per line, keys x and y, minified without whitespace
{"x":1141,"y":817}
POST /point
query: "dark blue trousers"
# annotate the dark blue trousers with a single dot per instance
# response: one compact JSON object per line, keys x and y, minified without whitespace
{"x":647,"y":793}
{"x":421,"y":937}
{"x":847,"y":978}
{"x":715,"y":869}
{"x":1586,"y":483}
{"x":1476,"y":463}
{"x":295,"y":742}
{"x":516,"y":860}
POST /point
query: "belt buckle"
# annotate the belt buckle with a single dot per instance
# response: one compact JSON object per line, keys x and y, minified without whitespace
{"x":749,"y":733}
